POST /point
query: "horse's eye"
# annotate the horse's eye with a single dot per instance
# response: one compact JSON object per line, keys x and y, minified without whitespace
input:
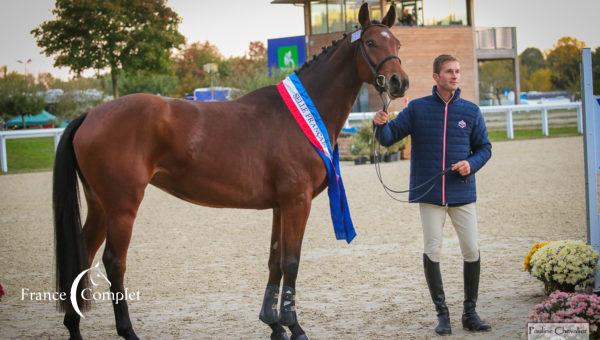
{"x":370,"y":43}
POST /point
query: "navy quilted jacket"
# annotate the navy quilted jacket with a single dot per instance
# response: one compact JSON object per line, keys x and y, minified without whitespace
{"x":442,"y":134}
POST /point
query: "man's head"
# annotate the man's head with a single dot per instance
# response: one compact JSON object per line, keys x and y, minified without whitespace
{"x":446,"y":72}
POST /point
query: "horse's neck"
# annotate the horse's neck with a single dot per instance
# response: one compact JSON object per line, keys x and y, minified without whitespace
{"x":333,"y":86}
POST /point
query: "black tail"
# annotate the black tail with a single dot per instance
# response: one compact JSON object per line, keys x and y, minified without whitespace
{"x":71,"y":252}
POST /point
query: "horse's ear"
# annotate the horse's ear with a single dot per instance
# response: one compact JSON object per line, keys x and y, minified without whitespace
{"x":363,"y":15}
{"x":390,"y":17}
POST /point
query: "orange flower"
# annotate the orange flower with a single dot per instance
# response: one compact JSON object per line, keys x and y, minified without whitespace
{"x":536,"y":247}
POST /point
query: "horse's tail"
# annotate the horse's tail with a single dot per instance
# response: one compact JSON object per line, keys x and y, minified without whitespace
{"x":71,"y":252}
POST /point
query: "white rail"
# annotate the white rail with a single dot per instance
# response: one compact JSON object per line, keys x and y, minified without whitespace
{"x":543,"y":108}
{"x":353,"y":120}
{"x":356,"y":117}
{"x":34,"y":133}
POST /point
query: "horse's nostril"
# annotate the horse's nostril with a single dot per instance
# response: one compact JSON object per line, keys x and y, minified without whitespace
{"x":395,"y":81}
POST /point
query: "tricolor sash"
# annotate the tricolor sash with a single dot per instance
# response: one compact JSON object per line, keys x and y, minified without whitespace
{"x":305,"y":112}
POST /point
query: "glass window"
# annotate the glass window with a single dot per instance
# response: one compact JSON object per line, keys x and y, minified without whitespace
{"x":410,"y":13}
{"x":318,"y":17}
{"x":335,"y":16}
{"x":375,"y":7}
{"x":328,"y":16}
{"x":445,"y":12}
{"x":352,"y":8}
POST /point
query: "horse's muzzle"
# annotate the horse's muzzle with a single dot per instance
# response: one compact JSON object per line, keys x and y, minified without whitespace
{"x":397,"y":86}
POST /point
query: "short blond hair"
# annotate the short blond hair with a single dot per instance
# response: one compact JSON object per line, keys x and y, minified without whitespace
{"x":440,"y":60}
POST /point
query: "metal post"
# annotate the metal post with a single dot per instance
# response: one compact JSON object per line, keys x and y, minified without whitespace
{"x":510,"y":133}
{"x":590,"y":146}
{"x":3,"y":160}
{"x":57,"y":140}
{"x":516,"y":65}
{"x":545,"y":130}
{"x":579,"y":119}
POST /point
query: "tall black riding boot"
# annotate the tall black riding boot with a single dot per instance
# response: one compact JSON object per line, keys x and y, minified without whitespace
{"x":470,"y":319}
{"x":433,"y":275}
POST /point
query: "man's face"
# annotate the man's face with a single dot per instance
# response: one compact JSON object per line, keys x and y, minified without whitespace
{"x":449,"y":76}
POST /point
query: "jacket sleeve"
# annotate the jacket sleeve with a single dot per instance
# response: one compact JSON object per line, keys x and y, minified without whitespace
{"x":481,"y":148}
{"x":396,"y":129}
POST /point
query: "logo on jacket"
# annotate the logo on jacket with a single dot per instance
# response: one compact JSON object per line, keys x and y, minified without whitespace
{"x":462,"y":124}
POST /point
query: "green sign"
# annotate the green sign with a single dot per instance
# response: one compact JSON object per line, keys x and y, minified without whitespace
{"x":287,"y":57}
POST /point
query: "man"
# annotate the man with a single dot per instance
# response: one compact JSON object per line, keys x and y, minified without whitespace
{"x":407,"y":19}
{"x":446,"y":131}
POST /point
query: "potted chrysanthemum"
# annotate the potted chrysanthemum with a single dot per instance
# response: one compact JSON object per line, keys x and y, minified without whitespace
{"x":561,"y":307}
{"x":564,"y":265}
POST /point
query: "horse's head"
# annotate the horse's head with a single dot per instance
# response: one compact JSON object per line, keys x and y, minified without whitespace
{"x":378,"y":61}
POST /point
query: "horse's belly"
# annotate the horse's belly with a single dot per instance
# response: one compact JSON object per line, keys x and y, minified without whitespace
{"x":215,"y":192}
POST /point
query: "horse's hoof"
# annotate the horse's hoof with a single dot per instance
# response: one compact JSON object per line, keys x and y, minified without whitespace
{"x":128,"y":334}
{"x":300,"y":337}
{"x":279,"y":336}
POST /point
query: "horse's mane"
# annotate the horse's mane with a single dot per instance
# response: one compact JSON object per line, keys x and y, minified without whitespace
{"x":326,"y":50}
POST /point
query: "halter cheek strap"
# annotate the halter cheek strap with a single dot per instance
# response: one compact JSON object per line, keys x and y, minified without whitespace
{"x":379,"y":79}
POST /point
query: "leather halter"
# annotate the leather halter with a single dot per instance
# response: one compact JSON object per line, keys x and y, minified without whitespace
{"x":380,"y":80}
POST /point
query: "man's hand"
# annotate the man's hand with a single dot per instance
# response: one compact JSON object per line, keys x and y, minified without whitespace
{"x":463,"y":168}
{"x":380,"y":118}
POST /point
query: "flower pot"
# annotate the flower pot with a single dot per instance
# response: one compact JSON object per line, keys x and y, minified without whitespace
{"x":372,"y":159}
{"x":550,"y":287}
{"x":360,"y":160}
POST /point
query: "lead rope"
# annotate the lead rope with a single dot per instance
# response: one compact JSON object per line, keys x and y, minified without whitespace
{"x":375,"y":151}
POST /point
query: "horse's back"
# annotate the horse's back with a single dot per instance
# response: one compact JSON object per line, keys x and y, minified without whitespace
{"x":207,"y":153}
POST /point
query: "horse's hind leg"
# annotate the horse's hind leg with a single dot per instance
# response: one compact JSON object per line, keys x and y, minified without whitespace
{"x":268,"y":312}
{"x":94,"y":232}
{"x":294,"y":215}
{"x":120,"y":215}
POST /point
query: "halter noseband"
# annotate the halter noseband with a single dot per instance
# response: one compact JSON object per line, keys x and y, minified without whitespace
{"x":380,"y":80}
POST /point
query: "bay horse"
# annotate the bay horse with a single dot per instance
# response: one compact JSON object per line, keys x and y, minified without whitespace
{"x":119,"y":147}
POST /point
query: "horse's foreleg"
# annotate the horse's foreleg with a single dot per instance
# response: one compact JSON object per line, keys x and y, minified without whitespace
{"x":294,"y":215}
{"x":268,"y":311}
{"x":114,"y":258}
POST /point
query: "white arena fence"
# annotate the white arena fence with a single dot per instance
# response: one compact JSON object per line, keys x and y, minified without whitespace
{"x":497,"y":117}
{"x":503,"y":117}
{"x":34,"y":133}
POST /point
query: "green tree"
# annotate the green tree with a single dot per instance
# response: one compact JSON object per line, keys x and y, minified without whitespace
{"x":20,"y":95}
{"x":494,"y":77}
{"x":596,"y":70}
{"x":540,"y":80}
{"x":116,"y":34}
{"x":533,"y":59}
{"x":249,"y":72}
{"x":148,"y":82}
{"x":563,"y":62}
{"x":189,"y":66}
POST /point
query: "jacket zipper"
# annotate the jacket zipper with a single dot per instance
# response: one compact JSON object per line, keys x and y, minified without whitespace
{"x":444,"y":155}
{"x":444,"y":146}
